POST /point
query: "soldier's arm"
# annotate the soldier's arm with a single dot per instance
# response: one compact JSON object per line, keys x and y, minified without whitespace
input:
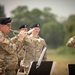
{"x":9,"y":46}
{"x":71,"y":42}
{"x":4,"y":43}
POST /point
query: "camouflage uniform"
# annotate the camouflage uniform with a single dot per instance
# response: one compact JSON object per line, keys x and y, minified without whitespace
{"x":39,"y":46}
{"x":33,"y":48}
{"x":71,"y":42}
{"x":19,"y":51}
{"x":28,"y":48}
{"x":8,"y":58}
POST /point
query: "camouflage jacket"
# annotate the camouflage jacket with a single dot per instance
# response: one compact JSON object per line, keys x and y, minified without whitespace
{"x":7,"y":52}
{"x":33,"y":48}
{"x":40,"y":44}
{"x":71,"y":42}
{"x":19,"y":51}
{"x":28,"y":48}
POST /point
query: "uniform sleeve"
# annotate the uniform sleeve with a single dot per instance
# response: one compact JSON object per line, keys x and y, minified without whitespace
{"x":9,"y":46}
{"x":71,"y":42}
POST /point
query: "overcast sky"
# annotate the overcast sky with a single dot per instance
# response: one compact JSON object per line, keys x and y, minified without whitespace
{"x":59,"y":7}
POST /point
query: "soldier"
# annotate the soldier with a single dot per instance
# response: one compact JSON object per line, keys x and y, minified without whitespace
{"x":40,"y":43}
{"x":28,"y":56}
{"x":20,"y":52}
{"x":71,"y":42}
{"x":8,"y":58}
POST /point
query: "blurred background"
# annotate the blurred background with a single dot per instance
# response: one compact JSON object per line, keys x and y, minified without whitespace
{"x":57,"y":24}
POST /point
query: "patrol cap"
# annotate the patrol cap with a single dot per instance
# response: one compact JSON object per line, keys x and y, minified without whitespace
{"x":23,"y":26}
{"x":5,"y":20}
{"x":34,"y":25}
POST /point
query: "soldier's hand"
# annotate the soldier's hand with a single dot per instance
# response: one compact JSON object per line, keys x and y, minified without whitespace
{"x":22,"y":34}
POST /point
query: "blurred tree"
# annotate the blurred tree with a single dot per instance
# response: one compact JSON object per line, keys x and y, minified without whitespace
{"x":2,"y":13}
{"x":70,"y":24}
{"x":53,"y":34}
{"x":36,"y":15}
{"x":48,"y":16}
{"x":19,"y":16}
{"x":70,"y":27}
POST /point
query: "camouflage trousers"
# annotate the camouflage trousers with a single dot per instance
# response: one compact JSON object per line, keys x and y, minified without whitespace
{"x":10,"y":72}
{"x":2,"y":70}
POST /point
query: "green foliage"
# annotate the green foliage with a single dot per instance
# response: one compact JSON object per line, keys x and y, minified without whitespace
{"x":48,"y":16}
{"x":66,"y":51}
{"x":70,"y":24}
{"x":36,"y":15}
{"x":53,"y":34}
{"x":70,"y":27}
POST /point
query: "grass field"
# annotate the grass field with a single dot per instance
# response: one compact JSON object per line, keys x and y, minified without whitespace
{"x":62,"y":61}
